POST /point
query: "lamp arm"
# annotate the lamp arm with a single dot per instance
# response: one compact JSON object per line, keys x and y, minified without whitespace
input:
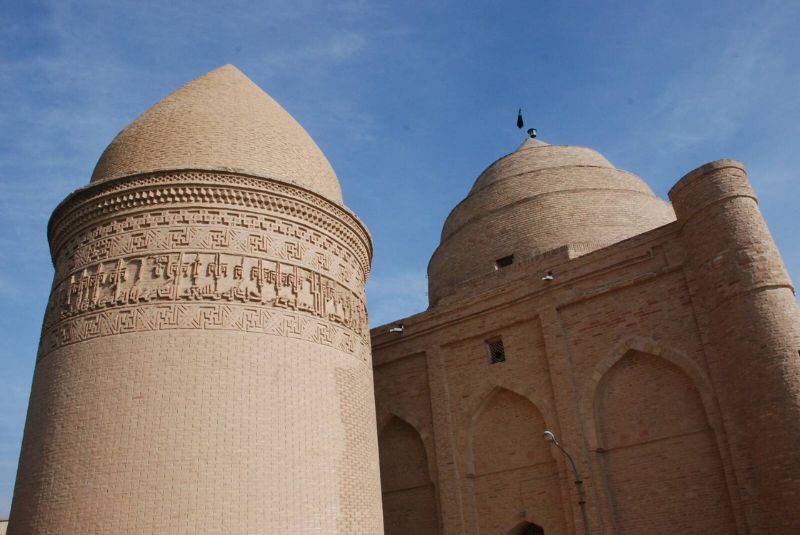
{"x":572,"y":462}
{"x":579,"y":486}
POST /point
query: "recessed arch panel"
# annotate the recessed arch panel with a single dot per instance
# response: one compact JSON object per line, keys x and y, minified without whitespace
{"x":514,"y":470}
{"x":409,"y":496}
{"x":508,"y":434}
{"x":661,"y":461}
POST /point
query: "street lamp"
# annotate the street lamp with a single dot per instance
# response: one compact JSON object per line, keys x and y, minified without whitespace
{"x":551,"y":438}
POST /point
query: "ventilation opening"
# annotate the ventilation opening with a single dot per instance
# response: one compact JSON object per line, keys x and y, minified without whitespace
{"x":497,"y":353}
{"x":504,"y":262}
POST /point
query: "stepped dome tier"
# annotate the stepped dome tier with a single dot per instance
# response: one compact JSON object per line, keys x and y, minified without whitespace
{"x":221,"y":121}
{"x":539,"y":198}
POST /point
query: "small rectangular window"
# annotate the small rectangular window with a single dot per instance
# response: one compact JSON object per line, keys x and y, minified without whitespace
{"x":497,"y":352}
{"x":504,"y":262}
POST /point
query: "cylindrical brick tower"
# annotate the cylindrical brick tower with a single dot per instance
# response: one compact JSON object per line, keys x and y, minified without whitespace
{"x":205,"y":363}
{"x":749,"y":318}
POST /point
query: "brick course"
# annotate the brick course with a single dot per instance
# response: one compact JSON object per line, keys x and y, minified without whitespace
{"x":537,"y":199}
{"x":666,"y":363}
{"x":205,"y":363}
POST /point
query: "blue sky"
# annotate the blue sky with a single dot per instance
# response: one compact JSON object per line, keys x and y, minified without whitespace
{"x":409,"y":100}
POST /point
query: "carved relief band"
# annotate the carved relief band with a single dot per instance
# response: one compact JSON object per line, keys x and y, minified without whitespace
{"x":145,"y":254}
{"x":251,"y":197}
{"x":202,"y":316}
{"x":189,"y":276}
{"x":159,"y":232}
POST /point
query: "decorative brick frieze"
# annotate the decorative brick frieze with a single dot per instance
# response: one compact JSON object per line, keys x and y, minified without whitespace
{"x":277,"y":260}
{"x":251,"y":196}
{"x":205,"y":345}
{"x":204,"y":290}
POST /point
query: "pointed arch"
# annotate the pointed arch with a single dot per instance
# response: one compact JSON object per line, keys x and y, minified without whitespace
{"x":403,"y":459}
{"x":516,"y":386}
{"x":642,"y":345}
{"x":659,"y":454}
{"x":409,"y":495}
{"x":387,"y":416}
{"x":506,"y":433}
{"x":511,"y":466}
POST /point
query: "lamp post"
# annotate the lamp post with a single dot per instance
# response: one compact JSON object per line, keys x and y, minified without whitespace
{"x":551,"y":438}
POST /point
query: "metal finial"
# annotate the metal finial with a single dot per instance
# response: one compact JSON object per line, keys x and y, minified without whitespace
{"x":532,"y":132}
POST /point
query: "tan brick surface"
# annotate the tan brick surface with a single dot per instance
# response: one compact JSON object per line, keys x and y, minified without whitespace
{"x":749,"y":318}
{"x":666,"y":363}
{"x":409,"y":497}
{"x":205,"y":363}
{"x":221,"y":121}
{"x":535,"y":200}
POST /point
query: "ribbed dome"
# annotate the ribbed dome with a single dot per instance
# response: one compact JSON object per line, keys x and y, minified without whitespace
{"x":220,"y":121}
{"x":536,"y":199}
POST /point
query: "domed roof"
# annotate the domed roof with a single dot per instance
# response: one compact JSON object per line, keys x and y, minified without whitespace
{"x":536,"y":199}
{"x":220,"y":121}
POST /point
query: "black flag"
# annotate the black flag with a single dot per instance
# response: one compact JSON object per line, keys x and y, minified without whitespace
{"x":520,"y":124}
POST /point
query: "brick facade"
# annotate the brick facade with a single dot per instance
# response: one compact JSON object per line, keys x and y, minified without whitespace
{"x":205,"y":364}
{"x":666,"y":364}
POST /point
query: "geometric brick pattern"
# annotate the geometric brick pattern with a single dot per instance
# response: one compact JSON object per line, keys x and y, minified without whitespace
{"x":666,"y":364}
{"x":220,"y":121}
{"x":204,"y":363}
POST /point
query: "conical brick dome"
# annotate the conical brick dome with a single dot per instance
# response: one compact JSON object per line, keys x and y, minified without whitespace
{"x":220,"y":121}
{"x":536,"y":199}
{"x":210,"y":277}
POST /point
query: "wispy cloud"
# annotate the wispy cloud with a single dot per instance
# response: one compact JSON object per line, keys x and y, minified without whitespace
{"x":405,"y":106}
{"x":707,"y":100}
{"x":717,"y":88}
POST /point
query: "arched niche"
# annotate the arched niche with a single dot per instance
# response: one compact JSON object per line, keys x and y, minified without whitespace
{"x":513,"y":469}
{"x":660,"y":457}
{"x":409,"y":496}
{"x":507,"y":434}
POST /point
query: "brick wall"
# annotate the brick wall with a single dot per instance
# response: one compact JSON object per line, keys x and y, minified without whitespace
{"x":204,"y":364}
{"x":618,"y":357}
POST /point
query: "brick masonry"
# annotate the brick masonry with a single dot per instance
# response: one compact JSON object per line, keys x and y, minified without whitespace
{"x":666,"y":363}
{"x":205,"y":363}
